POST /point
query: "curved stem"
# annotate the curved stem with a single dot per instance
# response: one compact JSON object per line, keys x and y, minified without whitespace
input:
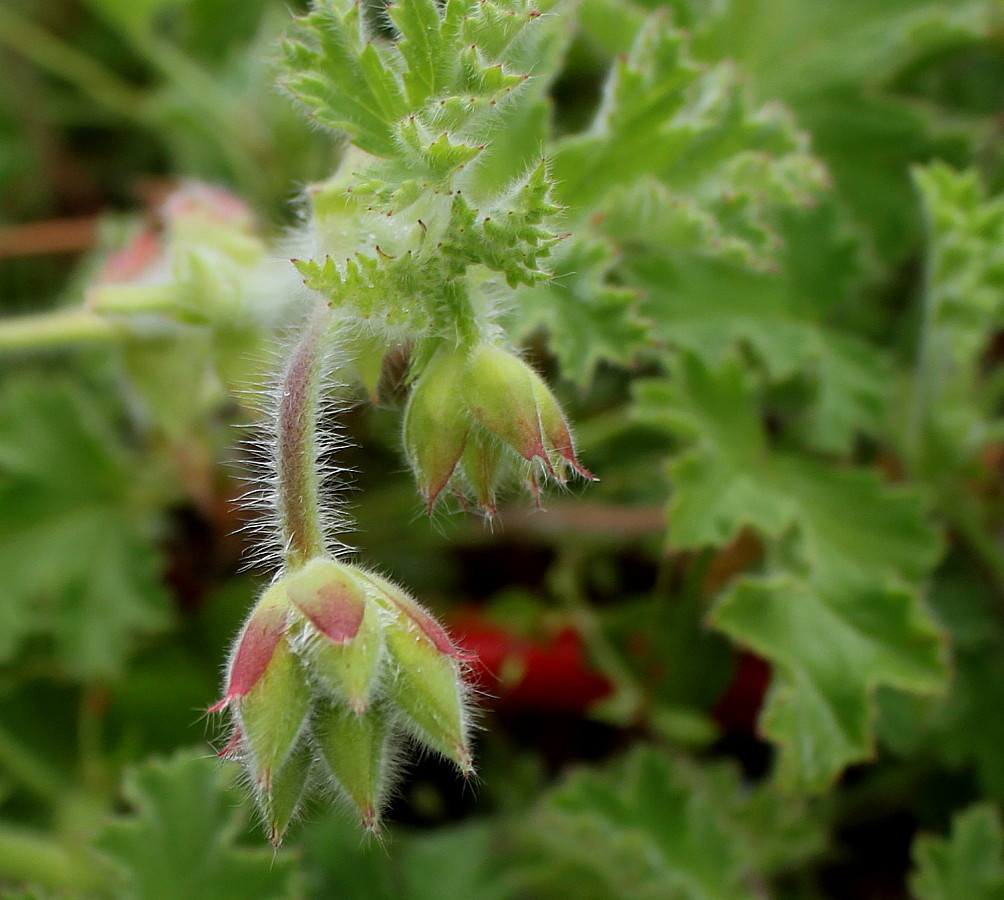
{"x":298,"y":480}
{"x":19,"y":34}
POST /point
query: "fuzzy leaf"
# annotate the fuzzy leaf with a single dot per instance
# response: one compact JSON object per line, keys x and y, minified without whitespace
{"x":831,"y":646}
{"x":968,"y":865}
{"x":654,"y":827}
{"x":588,"y":319}
{"x":76,"y":537}
{"x":180,"y":840}
{"x":835,"y":615}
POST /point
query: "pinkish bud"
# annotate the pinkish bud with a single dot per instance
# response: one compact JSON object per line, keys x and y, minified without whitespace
{"x":555,"y":426}
{"x":272,"y":714}
{"x":428,"y":685}
{"x":340,"y":644}
{"x":436,"y":424}
{"x":256,"y":645}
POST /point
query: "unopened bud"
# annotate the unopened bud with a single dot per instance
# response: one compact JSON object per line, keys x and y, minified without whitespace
{"x":555,"y":426}
{"x":499,"y":392}
{"x":272,"y":714}
{"x":281,"y":802}
{"x":355,"y":748}
{"x":341,"y":642}
{"x":255,"y":645}
{"x":436,"y":423}
{"x":481,"y":465}
{"x":428,"y":685}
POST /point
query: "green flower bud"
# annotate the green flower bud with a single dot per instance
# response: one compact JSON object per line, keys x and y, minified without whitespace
{"x":555,"y":426}
{"x":341,"y":638}
{"x":356,"y":749}
{"x":312,"y":652}
{"x":436,"y":424}
{"x":427,"y":685}
{"x":280,"y":803}
{"x":272,"y":714}
{"x":499,"y":392}
{"x":481,"y":465}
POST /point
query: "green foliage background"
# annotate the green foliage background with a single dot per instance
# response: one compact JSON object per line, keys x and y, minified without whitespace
{"x":774,"y":321}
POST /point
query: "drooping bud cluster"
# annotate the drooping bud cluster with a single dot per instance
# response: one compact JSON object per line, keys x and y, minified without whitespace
{"x":333,"y":670}
{"x":474,"y":415}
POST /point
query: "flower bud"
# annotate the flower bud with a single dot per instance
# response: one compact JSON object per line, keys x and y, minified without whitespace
{"x":499,"y":392}
{"x":356,"y":750}
{"x":436,"y":424}
{"x":481,"y":465}
{"x":427,"y":686}
{"x":280,"y":803}
{"x":341,"y":639}
{"x":312,"y":651}
{"x":272,"y":714}
{"x":555,"y":426}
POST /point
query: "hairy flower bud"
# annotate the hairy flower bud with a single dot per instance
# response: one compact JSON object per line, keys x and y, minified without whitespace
{"x":357,"y":751}
{"x":427,"y":683}
{"x":309,"y":680}
{"x":499,"y":392}
{"x":341,"y":639}
{"x":436,"y":424}
{"x":482,"y":465}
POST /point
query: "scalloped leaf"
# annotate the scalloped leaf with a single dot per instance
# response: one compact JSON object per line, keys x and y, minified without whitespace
{"x":652,"y":826}
{"x":181,"y":839}
{"x":967,"y":865}
{"x":76,"y":537}
{"x":835,"y":612}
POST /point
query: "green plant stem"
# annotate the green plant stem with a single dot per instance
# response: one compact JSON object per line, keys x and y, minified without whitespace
{"x":298,"y":481}
{"x":36,"y":858}
{"x":56,"y":329}
{"x":24,"y":37}
{"x":629,"y":698}
{"x":28,"y":770}
{"x":924,"y":376}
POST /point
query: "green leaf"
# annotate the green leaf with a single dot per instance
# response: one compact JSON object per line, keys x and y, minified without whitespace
{"x":181,"y":838}
{"x":732,"y":478}
{"x":656,"y":827}
{"x":76,"y":533}
{"x":713,"y":305}
{"x":587,"y":319}
{"x":831,"y":645}
{"x":963,"y":310}
{"x":835,"y":613}
{"x":968,"y":865}
{"x":456,"y":864}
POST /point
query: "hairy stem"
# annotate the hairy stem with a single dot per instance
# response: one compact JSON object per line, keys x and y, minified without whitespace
{"x":298,"y":480}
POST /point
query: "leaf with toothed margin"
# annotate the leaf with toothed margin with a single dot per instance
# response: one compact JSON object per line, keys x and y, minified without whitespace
{"x":837,"y":611}
{"x":967,"y":865}
{"x":589,"y":320}
{"x":78,"y":529}
{"x":180,"y":838}
{"x":651,"y":826}
{"x":831,"y":642}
